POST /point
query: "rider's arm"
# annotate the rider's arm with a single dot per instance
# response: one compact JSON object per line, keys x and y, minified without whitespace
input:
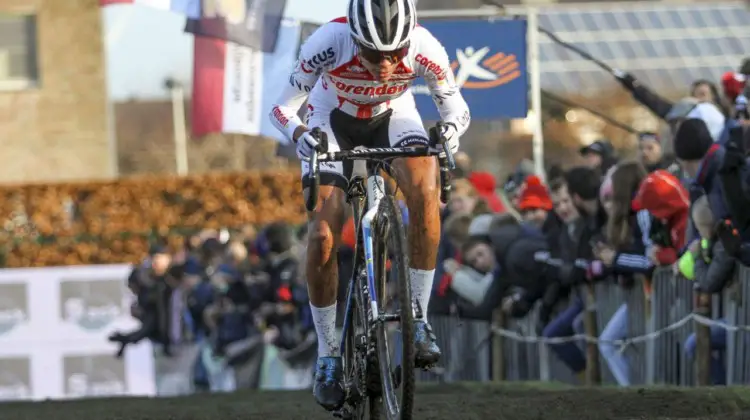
{"x":435,"y":66}
{"x":306,"y":72}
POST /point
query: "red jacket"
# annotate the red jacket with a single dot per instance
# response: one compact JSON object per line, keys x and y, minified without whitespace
{"x":662,"y":195}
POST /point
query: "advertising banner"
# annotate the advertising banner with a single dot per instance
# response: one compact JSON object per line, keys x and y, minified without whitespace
{"x":488,"y":59}
{"x":54,"y":325}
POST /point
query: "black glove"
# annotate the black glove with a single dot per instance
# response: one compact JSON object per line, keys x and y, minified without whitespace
{"x":626,"y":79}
{"x":729,"y":237}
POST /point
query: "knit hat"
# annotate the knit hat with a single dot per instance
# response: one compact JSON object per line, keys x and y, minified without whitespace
{"x":534,"y":195}
{"x":692,"y":140}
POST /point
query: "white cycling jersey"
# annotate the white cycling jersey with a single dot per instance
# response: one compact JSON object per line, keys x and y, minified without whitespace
{"x":330,"y":76}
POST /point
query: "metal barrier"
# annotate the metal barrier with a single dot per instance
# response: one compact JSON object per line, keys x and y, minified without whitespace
{"x":660,"y":321}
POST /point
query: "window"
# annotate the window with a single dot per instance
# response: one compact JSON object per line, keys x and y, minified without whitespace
{"x":18,"y":50}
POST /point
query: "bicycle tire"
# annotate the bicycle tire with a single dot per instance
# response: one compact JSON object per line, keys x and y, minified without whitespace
{"x":390,"y":236}
{"x":352,"y":366}
{"x":357,"y":365}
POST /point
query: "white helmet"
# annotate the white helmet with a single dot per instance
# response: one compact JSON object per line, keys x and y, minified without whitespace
{"x":382,"y":25}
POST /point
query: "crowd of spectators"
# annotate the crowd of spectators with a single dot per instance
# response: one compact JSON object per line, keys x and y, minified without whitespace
{"x":608,"y":220}
{"x":218,"y":301}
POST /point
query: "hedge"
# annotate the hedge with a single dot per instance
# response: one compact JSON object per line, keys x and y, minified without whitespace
{"x":114,"y":222}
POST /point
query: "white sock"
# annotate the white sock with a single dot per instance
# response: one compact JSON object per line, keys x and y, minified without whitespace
{"x":325,"y":325}
{"x":421,"y":287}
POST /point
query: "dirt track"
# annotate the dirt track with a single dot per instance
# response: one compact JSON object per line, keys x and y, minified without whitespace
{"x":450,"y":402}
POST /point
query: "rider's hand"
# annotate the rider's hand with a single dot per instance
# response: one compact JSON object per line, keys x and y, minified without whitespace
{"x":306,"y":144}
{"x":450,"y":134}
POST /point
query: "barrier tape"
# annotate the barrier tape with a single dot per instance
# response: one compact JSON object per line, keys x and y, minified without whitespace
{"x":621,"y":343}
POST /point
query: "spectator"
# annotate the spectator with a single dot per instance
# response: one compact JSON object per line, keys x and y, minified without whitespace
{"x":599,"y":155}
{"x":499,"y":257}
{"x":572,"y":242}
{"x":662,"y":195}
{"x":622,"y":255}
{"x":691,"y":108}
{"x":154,"y":282}
{"x":534,"y":202}
{"x":455,"y":235}
{"x":733,"y":85}
{"x":674,"y":113}
{"x":473,"y":278}
{"x":706,"y":91}
{"x":514,"y":182}
{"x":651,"y":154}
{"x":465,"y":199}
{"x":712,"y":269}
{"x":583,"y":186}
{"x":463,"y":165}
{"x":691,"y":144}
{"x":485,"y":184}
{"x":519,"y":278}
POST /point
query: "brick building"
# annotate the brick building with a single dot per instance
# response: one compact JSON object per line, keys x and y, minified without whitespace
{"x":53,"y":98}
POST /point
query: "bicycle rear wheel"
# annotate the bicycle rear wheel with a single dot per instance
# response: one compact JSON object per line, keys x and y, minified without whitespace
{"x":397,"y":376}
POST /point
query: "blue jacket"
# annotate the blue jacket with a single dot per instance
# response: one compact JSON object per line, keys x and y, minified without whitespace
{"x":708,"y":182}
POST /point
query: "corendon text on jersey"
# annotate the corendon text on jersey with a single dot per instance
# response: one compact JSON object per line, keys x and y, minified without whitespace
{"x":385,"y":89}
{"x":430,"y":66}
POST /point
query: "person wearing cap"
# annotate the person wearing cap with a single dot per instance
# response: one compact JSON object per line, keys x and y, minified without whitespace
{"x":599,"y":155}
{"x":514,"y":182}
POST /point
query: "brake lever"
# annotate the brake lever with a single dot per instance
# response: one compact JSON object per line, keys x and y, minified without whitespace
{"x":447,"y":163}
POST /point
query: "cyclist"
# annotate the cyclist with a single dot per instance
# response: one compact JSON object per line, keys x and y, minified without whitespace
{"x":355,"y":73}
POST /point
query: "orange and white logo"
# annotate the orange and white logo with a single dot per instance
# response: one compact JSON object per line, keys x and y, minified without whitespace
{"x":474,"y":71}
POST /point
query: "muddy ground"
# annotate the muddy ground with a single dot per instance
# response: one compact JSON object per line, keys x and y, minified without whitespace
{"x":449,"y":402}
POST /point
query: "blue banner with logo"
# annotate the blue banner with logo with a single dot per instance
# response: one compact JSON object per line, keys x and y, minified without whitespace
{"x":489,"y":62}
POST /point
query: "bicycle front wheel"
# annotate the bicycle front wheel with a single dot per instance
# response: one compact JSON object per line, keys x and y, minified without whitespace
{"x":395,"y":326}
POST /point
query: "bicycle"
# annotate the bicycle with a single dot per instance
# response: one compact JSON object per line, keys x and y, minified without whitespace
{"x":368,"y":376}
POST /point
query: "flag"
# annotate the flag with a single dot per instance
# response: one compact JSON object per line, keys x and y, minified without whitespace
{"x":235,"y":86}
{"x":189,"y":8}
{"x":256,"y":25}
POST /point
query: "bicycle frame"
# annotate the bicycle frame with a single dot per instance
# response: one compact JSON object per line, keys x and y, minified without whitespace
{"x":374,"y":191}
